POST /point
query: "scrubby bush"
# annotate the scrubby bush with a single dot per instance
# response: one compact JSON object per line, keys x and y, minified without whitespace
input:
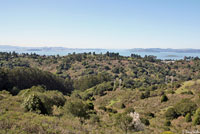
{"x":128,"y":83}
{"x":107,"y":68}
{"x":91,"y":106}
{"x":89,"y":81}
{"x":55,"y":98}
{"x":123,"y":106}
{"x":78,"y":108}
{"x":144,"y":95}
{"x":111,"y":110}
{"x":87,"y":94}
{"x":15,"y":90}
{"x":57,"y":111}
{"x":164,"y":98}
{"x":101,"y":88}
{"x":170,"y":92}
{"x":116,"y":70}
{"x":147,"y":93}
{"x":46,"y":99}
{"x":34,"y":104}
{"x":167,"y":123}
{"x":171,"y":114}
{"x":187,"y":92}
{"x":196,"y":120}
{"x":51,"y":98}
{"x":33,"y":89}
{"x":4,"y":94}
{"x":150,"y":114}
{"x":185,"y":106}
{"x":145,"y":121}
{"x":197,"y":111}
{"x":188,"y":117}
{"x":124,"y":121}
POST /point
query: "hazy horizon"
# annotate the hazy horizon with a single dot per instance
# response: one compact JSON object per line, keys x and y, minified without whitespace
{"x":89,"y":48}
{"x":112,"y":24}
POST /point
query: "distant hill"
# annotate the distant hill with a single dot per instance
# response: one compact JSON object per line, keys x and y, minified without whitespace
{"x":154,"y":50}
{"x":189,"y":50}
{"x":13,"y":48}
{"x":31,"y":48}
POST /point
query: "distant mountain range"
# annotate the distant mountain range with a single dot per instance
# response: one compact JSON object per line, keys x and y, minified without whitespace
{"x":153,"y":50}
{"x":158,"y":50}
{"x":12,"y":48}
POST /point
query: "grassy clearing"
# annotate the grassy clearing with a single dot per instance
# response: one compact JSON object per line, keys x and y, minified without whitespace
{"x":112,"y":102}
{"x":187,"y":86}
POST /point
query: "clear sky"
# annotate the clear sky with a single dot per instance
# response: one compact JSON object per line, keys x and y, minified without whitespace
{"x":101,"y":23}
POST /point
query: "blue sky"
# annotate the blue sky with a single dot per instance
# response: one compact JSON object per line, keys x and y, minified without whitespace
{"x":101,"y":23}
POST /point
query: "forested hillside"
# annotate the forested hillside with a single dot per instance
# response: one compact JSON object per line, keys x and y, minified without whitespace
{"x":92,"y":93}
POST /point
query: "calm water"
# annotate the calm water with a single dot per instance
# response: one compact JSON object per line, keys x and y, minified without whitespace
{"x":123,"y":52}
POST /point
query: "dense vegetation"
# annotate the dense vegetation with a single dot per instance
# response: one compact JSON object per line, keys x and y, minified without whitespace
{"x":98,"y":93}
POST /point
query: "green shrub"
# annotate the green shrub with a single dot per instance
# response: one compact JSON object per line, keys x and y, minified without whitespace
{"x":78,"y":108}
{"x":197,"y":111}
{"x":34,"y":104}
{"x":57,"y":111}
{"x":196,"y":120}
{"x":116,"y":70}
{"x":142,"y":96}
{"x":47,"y":99}
{"x":111,"y":110}
{"x":123,"y":121}
{"x":91,"y":106}
{"x":87,"y":94}
{"x":170,"y":92}
{"x":150,"y":114}
{"x":147,"y":93}
{"x":101,"y":88}
{"x":145,"y":121}
{"x":15,"y":90}
{"x":188,"y":117}
{"x":167,"y":123}
{"x":171,"y":114}
{"x":54,"y":98}
{"x":185,"y":106}
{"x":33,"y":89}
{"x":89,"y":81}
{"x":164,"y":98}
{"x":4,"y":94}
{"x":187,"y":92}
{"x":123,"y":106}
{"x":107,"y":68}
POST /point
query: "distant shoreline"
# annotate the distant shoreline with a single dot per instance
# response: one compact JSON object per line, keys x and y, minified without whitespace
{"x":150,"y":50}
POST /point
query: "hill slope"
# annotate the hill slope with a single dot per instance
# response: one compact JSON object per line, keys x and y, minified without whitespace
{"x":103,"y":94}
